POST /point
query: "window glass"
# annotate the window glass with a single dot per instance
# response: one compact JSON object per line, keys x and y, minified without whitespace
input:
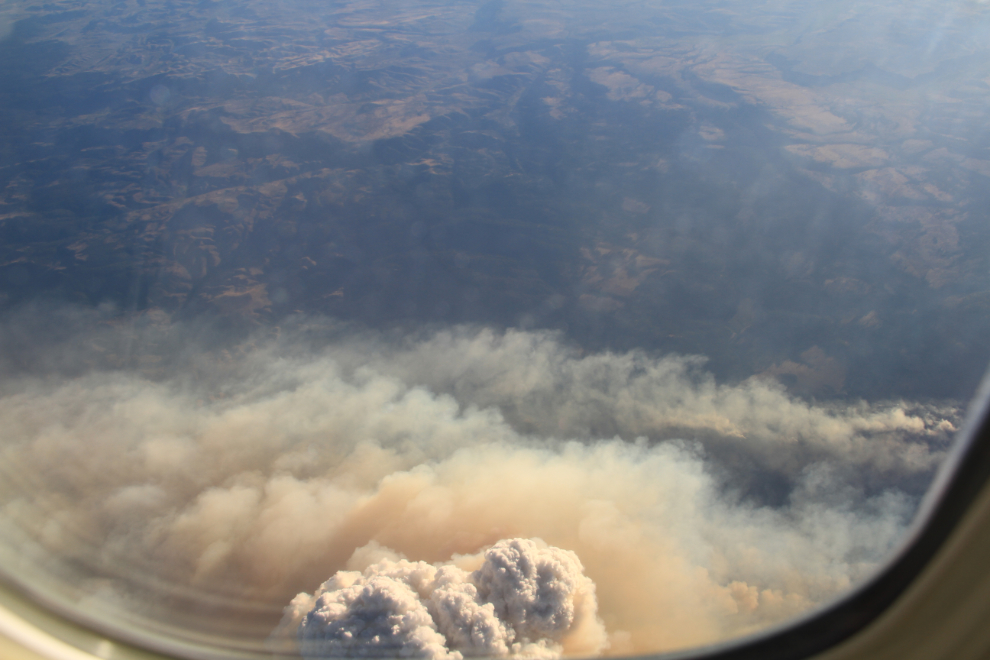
{"x":459,"y":328}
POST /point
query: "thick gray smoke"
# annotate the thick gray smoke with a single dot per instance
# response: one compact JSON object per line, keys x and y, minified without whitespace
{"x":525,"y":599}
{"x":250,"y":474}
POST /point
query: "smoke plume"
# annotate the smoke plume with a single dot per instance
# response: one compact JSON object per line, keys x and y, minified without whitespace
{"x":525,"y":598}
{"x":416,"y":473}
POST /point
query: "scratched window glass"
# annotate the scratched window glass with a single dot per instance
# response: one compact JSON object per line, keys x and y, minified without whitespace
{"x":451,"y":328}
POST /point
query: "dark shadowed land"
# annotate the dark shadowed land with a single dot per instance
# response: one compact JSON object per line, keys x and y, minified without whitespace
{"x":674,"y":178}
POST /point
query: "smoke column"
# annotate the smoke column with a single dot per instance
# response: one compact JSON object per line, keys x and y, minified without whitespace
{"x":402,"y":469}
{"x":525,"y":598}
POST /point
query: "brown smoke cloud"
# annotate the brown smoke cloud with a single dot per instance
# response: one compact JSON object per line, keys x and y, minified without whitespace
{"x":277,"y":466}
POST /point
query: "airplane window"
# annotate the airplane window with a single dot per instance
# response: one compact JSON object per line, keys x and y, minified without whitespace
{"x":440,"y":329}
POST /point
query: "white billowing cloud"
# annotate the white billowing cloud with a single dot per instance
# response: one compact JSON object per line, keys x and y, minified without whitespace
{"x":526,"y":598}
{"x":381,"y":616}
{"x":285,"y":464}
{"x":540,"y":592}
